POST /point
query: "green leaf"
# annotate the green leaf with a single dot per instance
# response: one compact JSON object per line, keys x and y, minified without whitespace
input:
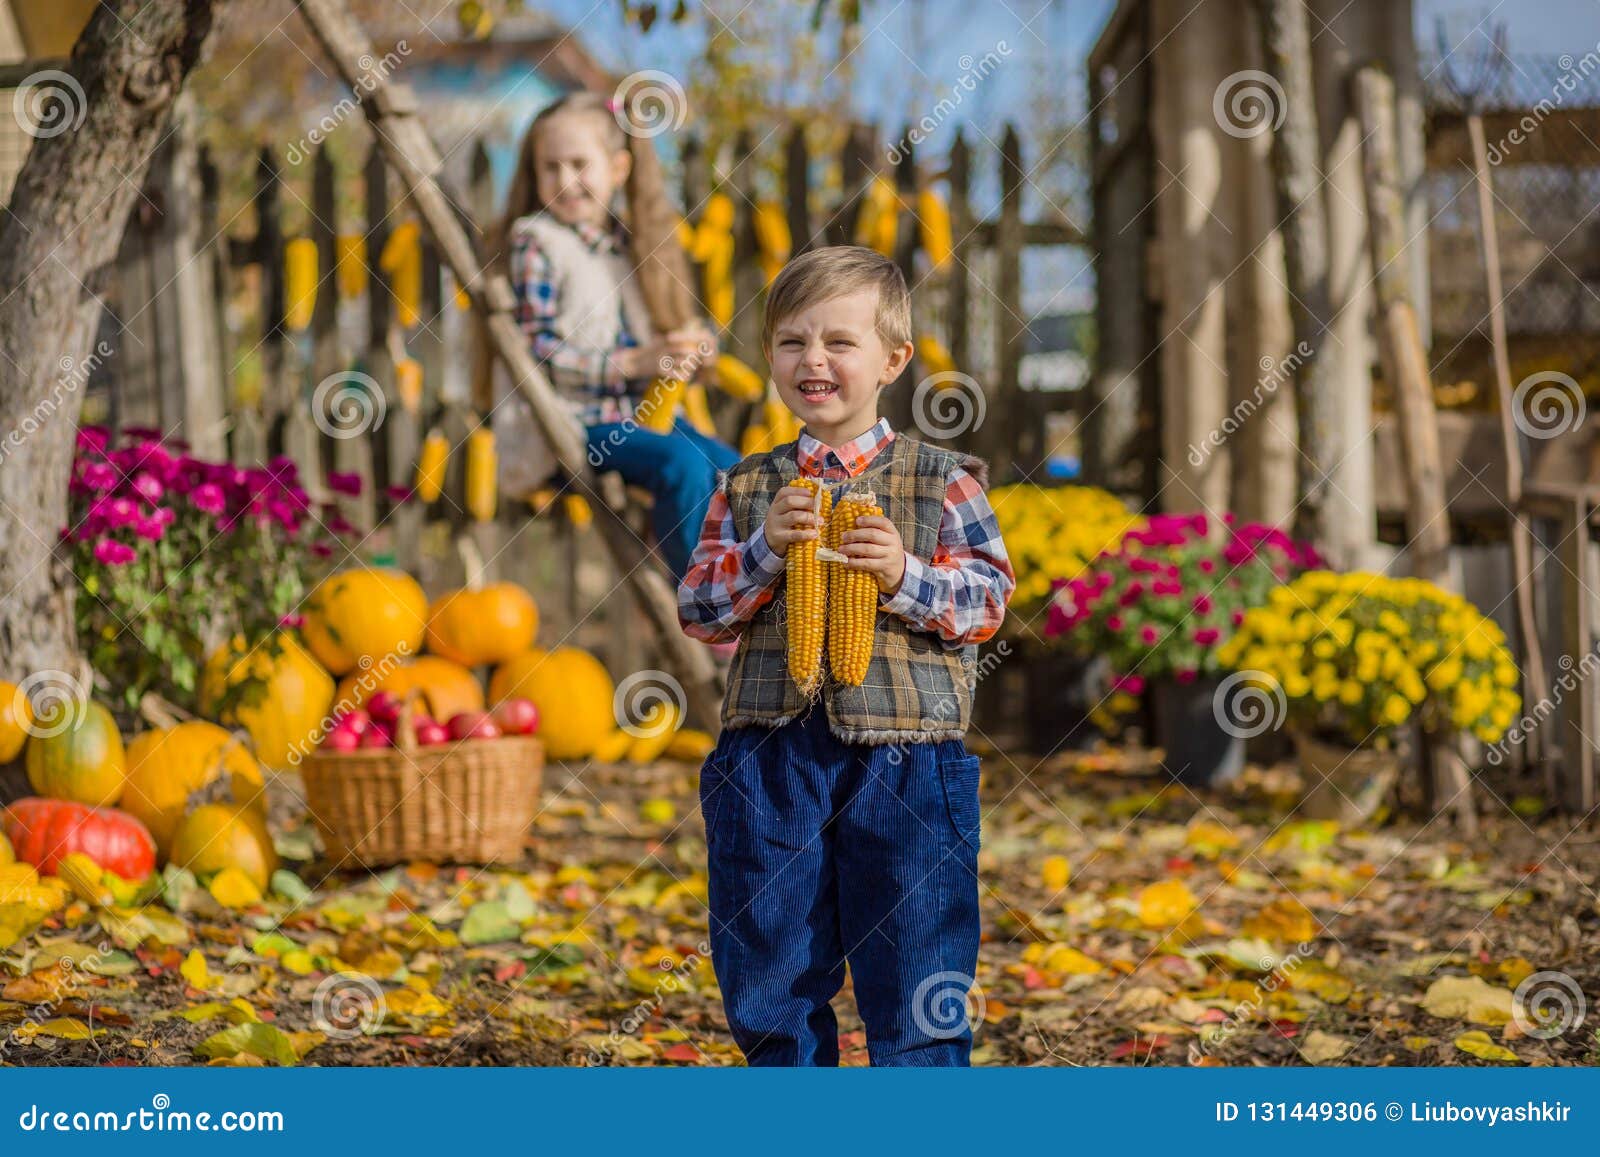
{"x":487,"y":923}
{"x":259,"y":1040}
{"x":290,"y":887}
{"x":519,"y":902}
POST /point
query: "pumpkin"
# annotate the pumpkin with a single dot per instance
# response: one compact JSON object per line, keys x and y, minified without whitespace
{"x":45,"y":831}
{"x":226,"y":835}
{"x":446,"y":688}
{"x":287,"y":719}
{"x":367,"y":614}
{"x":77,"y":754}
{"x":573,"y":692}
{"x":168,"y":765}
{"x":478,"y":625}
{"x":7,"y":856}
{"x":16,"y":715}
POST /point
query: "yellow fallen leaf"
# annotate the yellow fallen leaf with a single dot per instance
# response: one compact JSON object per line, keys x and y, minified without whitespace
{"x":233,"y":889}
{"x":1285,"y":919}
{"x":1066,"y":959}
{"x":1209,"y":837}
{"x":17,"y":921}
{"x":85,"y":878}
{"x":60,"y":1027}
{"x":1516,"y":969}
{"x":1468,"y":998}
{"x":1417,"y":1043}
{"x":1055,"y":872}
{"x":1320,"y":1047}
{"x":411,"y":1002}
{"x":1165,"y":904}
{"x":298,"y":962}
{"x":1477,"y":1043}
{"x":194,"y":970}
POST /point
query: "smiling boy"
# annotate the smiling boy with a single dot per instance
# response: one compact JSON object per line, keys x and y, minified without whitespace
{"x":844,"y":827}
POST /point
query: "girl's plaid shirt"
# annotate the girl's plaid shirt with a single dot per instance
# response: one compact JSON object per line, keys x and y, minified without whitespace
{"x":960,"y":595}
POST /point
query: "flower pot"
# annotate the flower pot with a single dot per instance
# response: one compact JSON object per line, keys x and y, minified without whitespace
{"x":1347,"y":784}
{"x":1199,"y":752}
{"x":1061,"y":689}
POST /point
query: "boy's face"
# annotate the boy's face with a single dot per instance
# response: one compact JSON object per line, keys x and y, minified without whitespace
{"x":829,"y":363}
{"x":575,"y":174}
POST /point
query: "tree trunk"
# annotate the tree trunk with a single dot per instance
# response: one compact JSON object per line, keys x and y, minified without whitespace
{"x":1287,"y":47}
{"x":95,"y":138}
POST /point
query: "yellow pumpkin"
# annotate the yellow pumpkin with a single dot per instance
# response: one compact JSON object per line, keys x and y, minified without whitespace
{"x":487,"y":624}
{"x":444,"y":687}
{"x":7,"y":856}
{"x":168,"y":765}
{"x":16,"y":714}
{"x":77,"y":755}
{"x":366,"y":614}
{"x":286,"y":721}
{"x":225,"y":835}
{"x":573,"y":692}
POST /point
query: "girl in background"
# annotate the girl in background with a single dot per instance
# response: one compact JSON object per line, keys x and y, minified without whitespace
{"x":606,"y":311}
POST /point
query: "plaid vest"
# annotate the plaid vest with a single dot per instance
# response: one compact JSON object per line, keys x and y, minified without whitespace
{"x":918,"y":688}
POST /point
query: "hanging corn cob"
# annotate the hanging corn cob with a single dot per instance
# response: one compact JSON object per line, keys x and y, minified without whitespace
{"x":482,"y":465}
{"x":350,"y":264}
{"x":299,"y":283}
{"x":756,"y":439}
{"x":408,"y":383}
{"x":934,"y":356}
{"x":933,"y":220}
{"x":659,"y":405}
{"x":853,"y":594}
{"x":780,"y":421}
{"x":713,"y":250}
{"x":401,"y":259}
{"x":739,"y":380}
{"x":878,"y":226}
{"x":430,"y":466}
{"x":698,"y":410}
{"x":807,"y":598}
{"x":578,"y":511}
{"x":773,"y":240}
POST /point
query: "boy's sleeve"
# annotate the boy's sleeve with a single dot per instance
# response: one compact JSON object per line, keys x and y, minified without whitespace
{"x":538,"y":301}
{"x":961,"y":594}
{"x":728,"y":581}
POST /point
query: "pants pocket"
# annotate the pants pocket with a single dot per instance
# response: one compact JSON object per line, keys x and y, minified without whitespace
{"x":713,"y":791}
{"x":959,"y":773}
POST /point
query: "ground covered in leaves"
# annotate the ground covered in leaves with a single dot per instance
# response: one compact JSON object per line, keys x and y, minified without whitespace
{"x":1126,"y":922}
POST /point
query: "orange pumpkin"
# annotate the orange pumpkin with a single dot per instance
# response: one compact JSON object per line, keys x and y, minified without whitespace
{"x":286,"y":715}
{"x":365,"y":617}
{"x":573,"y":692}
{"x":225,"y":835}
{"x":76,"y":753}
{"x":445,"y":688}
{"x":488,"y":624}
{"x":167,"y":766}
{"x":16,"y":715}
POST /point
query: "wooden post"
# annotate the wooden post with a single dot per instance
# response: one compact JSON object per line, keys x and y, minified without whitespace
{"x":896,"y":402}
{"x":268,"y":255}
{"x":796,"y":177}
{"x":1001,"y":420}
{"x":1521,"y":535}
{"x":214,"y":258}
{"x":961,"y":250}
{"x":197,"y":294}
{"x":1405,"y":362}
{"x":748,"y":284}
{"x":406,"y":146}
{"x":1295,"y":150}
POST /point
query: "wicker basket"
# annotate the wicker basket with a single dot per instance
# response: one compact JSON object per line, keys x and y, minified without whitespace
{"x":468,"y":802}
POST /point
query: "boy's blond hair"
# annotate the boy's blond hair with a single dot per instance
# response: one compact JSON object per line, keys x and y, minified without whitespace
{"x":835,"y":271}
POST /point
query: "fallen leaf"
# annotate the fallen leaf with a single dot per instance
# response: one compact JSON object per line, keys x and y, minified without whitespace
{"x":1468,"y":998}
{"x":1165,"y":904}
{"x":233,"y":889}
{"x":1477,"y":1043}
{"x":265,"y":1041}
{"x":1321,"y":1047}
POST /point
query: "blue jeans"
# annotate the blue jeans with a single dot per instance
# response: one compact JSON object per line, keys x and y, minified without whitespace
{"x":678,"y":467}
{"x":822,"y":851}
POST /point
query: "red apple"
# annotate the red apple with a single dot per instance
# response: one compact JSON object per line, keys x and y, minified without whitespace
{"x":378,"y":735}
{"x":517,"y":717}
{"x":432,"y":734}
{"x":341,"y":739}
{"x":355,"y":720}
{"x":473,"y":725}
{"x":421,"y":719}
{"x":385,"y":706}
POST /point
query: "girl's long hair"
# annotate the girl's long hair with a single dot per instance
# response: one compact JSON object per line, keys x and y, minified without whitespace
{"x":659,"y":262}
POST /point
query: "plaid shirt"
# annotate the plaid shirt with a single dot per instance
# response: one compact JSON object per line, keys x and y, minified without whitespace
{"x":591,"y":376}
{"x":961,"y":595}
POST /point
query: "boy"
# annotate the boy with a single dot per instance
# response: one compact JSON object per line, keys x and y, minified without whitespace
{"x":847,"y":827}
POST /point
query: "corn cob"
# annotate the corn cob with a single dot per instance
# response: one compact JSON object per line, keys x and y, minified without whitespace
{"x":408,"y":383}
{"x":430,"y":465}
{"x":853,"y":604}
{"x":299,"y":282}
{"x":807,"y":584}
{"x":697,"y":409}
{"x":482,"y":468}
{"x":739,"y":380}
{"x":659,"y":405}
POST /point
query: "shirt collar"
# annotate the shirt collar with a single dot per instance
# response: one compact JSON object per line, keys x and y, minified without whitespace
{"x":854,"y":456}
{"x":601,"y":238}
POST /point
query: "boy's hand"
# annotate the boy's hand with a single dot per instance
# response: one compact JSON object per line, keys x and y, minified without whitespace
{"x":875,"y":547}
{"x":790,"y":519}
